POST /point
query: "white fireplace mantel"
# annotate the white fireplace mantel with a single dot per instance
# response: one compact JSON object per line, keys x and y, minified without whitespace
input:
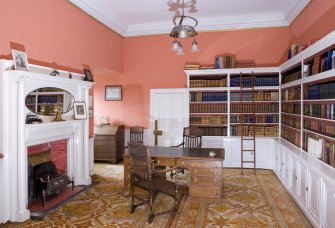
{"x":16,"y":136}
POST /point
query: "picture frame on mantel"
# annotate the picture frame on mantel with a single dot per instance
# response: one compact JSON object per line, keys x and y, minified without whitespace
{"x":113,"y":93}
{"x":80,"y":110}
{"x":20,"y":60}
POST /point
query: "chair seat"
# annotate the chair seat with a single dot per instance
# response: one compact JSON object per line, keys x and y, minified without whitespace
{"x":158,"y":185}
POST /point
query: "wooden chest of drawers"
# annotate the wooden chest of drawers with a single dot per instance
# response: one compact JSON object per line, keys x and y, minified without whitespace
{"x":205,"y":184}
{"x":108,"y":143}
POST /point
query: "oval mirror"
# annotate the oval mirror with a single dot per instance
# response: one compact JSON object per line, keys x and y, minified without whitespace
{"x":43,"y":100}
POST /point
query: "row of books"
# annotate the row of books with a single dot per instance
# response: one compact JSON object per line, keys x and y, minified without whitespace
{"x":208,"y":96}
{"x":257,"y":119}
{"x":320,"y":63}
{"x":292,"y":121}
{"x":214,"y":131}
{"x":258,"y":108}
{"x":328,"y":147}
{"x":208,"y":119}
{"x":291,"y":108}
{"x":258,"y":96}
{"x":199,"y":83}
{"x":291,"y":94}
{"x":225,"y":61}
{"x":326,"y":111}
{"x":291,"y":136}
{"x":192,"y":66}
{"x":256,"y":81}
{"x":290,"y":77}
{"x":327,"y":129}
{"x":320,"y":91}
{"x":208,"y":108}
{"x":265,"y":131}
{"x":295,"y":49}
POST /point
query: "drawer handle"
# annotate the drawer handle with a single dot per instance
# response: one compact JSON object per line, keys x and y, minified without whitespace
{"x":306,"y":188}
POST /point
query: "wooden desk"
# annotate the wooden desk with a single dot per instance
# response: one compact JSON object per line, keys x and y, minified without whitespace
{"x":205,"y":183}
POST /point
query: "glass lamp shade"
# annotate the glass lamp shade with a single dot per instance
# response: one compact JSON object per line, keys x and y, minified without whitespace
{"x":180,"y":50}
{"x":175,"y":45}
{"x":195,"y":47}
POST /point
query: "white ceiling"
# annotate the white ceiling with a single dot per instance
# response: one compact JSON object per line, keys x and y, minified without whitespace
{"x":142,"y":17}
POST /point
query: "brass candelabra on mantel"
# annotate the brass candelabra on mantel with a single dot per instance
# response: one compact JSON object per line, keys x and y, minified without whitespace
{"x":58,"y":112}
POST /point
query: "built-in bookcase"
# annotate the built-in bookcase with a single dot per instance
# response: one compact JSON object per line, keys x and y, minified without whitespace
{"x":308,"y":100}
{"x":215,"y":95}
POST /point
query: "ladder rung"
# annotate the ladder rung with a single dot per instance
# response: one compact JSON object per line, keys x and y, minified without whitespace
{"x":248,"y":139}
{"x":248,"y":150}
{"x":248,"y":161}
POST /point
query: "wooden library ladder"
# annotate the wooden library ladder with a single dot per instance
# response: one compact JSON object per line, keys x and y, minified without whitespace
{"x":247,"y":131}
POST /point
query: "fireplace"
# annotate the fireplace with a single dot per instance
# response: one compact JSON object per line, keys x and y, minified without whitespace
{"x":45,"y":163}
{"x":17,"y":136}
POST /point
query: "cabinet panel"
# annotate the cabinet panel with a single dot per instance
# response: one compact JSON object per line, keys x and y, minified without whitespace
{"x":285,"y":167}
{"x":328,"y":205}
{"x":313,"y":199}
{"x":293,"y":175}
{"x":302,"y":184}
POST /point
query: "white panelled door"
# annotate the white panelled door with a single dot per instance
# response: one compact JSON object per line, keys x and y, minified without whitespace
{"x":170,"y":108}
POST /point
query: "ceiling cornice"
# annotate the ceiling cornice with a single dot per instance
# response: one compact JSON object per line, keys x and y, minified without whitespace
{"x":296,"y":10}
{"x":205,"y":24}
{"x":113,"y":24}
{"x":215,"y":23}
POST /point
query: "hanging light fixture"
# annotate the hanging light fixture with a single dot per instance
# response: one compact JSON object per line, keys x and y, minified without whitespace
{"x":183,"y":31}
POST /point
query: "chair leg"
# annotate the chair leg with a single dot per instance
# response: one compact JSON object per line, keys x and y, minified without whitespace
{"x":133,"y":206}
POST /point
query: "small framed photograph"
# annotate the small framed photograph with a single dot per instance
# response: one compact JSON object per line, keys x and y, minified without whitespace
{"x":90,"y":113}
{"x":104,"y":120}
{"x":80,"y":110}
{"x":113,"y":93}
{"x":20,"y":60}
{"x":88,"y":76}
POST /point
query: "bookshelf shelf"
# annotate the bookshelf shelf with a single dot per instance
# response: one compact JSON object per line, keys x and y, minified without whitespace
{"x":290,"y":114}
{"x":208,"y":102}
{"x":319,"y":134}
{"x":209,"y":113}
{"x":320,"y":119}
{"x":320,"y":101}
{"x":293,"y":128}
{"x":259,"y":113}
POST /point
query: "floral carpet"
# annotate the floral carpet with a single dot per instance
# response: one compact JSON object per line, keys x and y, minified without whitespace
{"x":249,"y":201}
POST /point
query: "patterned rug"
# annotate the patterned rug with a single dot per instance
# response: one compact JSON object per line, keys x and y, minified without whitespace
{"x":249,"y":201}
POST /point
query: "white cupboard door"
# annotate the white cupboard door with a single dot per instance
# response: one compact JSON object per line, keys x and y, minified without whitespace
{"x":278,"y":160}
{"x":313,"y":196}
{"x":328,"y":205}
{"x":285,"y":167}
{"x":293,"y":175}
{"x":170,"y":108}
{"x":302,"y":184}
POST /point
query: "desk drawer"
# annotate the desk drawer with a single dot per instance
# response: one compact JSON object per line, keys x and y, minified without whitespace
{"x":206,"y":171}
{"x":205,"y":191}
{"x":205,"y":180}
{"x":205,"y":163}
{"x":104,"y":148}
{"x":165,"y":161}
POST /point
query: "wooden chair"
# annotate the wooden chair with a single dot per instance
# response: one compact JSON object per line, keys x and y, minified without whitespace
{"x":136,"y":134}
{"x":192,"y":137}
{"x":144,"y":175}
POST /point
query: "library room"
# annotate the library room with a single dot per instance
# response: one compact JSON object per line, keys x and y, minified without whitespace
{"x":170,"y":113}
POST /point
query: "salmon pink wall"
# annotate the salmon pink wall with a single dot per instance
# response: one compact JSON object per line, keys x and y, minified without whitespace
{"x":316,"y":21}
{"x":149,"y":63}
{"x":54,"y":31}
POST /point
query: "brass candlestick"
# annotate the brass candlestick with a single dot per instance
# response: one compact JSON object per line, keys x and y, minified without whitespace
{"x":58,"y":112}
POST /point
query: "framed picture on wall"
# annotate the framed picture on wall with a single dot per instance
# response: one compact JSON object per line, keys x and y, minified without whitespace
{"x":20,"y":60}
{"x":113,"y":93}
{"x":88,"y":75}
{"x":80,"y":110}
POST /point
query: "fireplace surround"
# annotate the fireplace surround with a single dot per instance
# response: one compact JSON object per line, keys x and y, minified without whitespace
{"x":16,"y":136}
